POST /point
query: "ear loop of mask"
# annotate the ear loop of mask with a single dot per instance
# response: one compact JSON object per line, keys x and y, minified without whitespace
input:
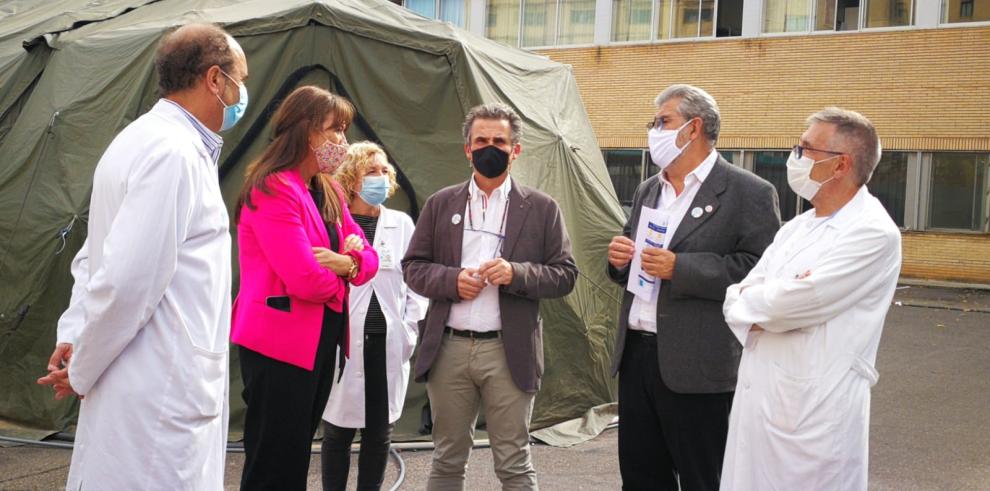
{"x":833,"y":170}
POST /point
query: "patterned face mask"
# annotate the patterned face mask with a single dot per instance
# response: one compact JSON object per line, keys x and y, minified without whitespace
{"x":330,"y":155}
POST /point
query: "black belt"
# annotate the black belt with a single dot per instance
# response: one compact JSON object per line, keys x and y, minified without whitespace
{"x":472,"y":334}
{"x":640,"y":334}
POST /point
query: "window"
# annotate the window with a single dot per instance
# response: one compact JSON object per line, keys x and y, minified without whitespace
{"x":772,"y":166}
{"x":733,"y":157}
{"x":889,"y":13}
{"x":835,"y":15}
{"x":889,"y":184}
{"x":503,"y":21}
{"x":728,"y":20}
{"x":577,"y":22}
{"x":787,"y":16}
{"x":693,"y":18}
{"x":958,"y":191}
{"x":453,"y":11}
{"x":625,"y":168}
{"x":632,"y":20}
{"x":544,"y":22}
{"x":644,"y":20}
{"x":426,"y":8}
{"x":965,"y":11}
{"x":539,"y":22}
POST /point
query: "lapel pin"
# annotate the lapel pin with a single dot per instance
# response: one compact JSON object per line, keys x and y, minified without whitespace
{"x":696,"y":212}
{"x":456,"y":218}
{"x":708,"y":209}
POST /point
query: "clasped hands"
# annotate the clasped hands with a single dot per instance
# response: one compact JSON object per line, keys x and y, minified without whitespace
{"x":339,"y":263}
{"x":58,"y":372}
{"x":655,"y":261}
{"x":471,"y":281}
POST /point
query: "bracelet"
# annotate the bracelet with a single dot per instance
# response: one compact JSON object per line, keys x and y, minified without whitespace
{"x":353,"y":271}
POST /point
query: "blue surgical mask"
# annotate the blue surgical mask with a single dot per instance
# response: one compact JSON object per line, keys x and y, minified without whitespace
{"x":374,"y":189}
{"x":233,"y":113}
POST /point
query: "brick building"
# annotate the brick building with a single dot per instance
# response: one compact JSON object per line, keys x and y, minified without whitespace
{"x":919,"y":69}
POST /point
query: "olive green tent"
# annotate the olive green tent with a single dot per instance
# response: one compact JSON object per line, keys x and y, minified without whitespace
{"x":73,"y":73}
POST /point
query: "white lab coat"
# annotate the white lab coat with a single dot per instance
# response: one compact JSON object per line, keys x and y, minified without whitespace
{"x":402,"y":309}
{"x":800,"y":416}
{"x":149,"y":316}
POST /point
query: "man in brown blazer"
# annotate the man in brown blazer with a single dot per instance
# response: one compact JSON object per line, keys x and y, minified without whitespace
{"x":485,"y":252}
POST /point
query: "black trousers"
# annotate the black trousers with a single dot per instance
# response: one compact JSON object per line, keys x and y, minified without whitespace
{"x":376,"y":436}
{"x":666,"y":437}
{"x":284,"y":406}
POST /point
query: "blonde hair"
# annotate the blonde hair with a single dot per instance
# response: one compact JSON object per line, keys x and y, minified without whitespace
{"x":360,"y":156}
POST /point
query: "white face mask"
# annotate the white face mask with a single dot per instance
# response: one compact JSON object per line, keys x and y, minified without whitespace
{"x":799,"y":175}
{"x":663,"y":146}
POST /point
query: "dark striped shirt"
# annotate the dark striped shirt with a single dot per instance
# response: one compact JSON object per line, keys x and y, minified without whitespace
{"x":374,"y":323}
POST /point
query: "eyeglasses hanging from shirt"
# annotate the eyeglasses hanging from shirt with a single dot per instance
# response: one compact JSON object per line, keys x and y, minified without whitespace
{"x":500,"y":234}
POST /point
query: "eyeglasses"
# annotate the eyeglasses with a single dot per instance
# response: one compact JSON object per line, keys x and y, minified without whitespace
{"x":654,"y":123}
{"x":799,"y":151}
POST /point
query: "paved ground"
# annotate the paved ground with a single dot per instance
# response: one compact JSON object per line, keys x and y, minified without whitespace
{"x":930,"y":423}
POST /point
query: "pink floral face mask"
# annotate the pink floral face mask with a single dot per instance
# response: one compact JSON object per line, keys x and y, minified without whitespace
{"x":330,"y":155}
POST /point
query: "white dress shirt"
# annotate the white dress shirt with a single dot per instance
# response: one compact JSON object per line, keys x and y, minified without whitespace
{"x":642,"y":313}
{"x":484,"y":235}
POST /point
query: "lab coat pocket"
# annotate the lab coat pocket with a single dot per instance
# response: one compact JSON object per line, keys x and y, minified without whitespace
{"x":207,"y":385}
{"x":203,"y":385}
{"x":408,"y":341}
{"x":790,"y":400}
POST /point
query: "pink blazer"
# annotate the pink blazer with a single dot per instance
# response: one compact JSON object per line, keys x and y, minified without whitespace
{"x":276,"y":259}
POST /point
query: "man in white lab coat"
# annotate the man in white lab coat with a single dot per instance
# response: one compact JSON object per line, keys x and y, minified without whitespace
{"x":809,"y":316}
{"x":145,"y":338}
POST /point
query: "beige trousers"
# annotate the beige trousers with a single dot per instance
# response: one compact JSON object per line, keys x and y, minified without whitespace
{"x":465,"y":373}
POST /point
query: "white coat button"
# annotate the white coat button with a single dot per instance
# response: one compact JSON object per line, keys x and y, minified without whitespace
{"x":357,"y":373}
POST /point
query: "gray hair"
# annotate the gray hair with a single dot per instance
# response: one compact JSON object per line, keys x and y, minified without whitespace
{"x":854,"y":135}
{"x":695,"y":103}
{"x":497,"y":111}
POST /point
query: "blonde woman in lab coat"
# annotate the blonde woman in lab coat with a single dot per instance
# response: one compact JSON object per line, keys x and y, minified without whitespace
{"x":383,"y":314}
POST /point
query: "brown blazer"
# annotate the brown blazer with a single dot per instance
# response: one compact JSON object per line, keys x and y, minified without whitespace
{"x":536,"y":245}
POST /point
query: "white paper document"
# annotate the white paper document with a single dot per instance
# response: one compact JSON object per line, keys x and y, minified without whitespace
{"x":650,"y":232}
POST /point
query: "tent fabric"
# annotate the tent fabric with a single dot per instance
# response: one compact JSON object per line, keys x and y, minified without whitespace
{"x":82,"y":75}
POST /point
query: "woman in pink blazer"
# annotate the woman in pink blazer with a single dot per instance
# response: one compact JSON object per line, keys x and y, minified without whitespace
{"x":300,"y":250}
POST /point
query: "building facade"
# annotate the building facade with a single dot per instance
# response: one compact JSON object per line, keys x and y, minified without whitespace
{"x":919,"y":69}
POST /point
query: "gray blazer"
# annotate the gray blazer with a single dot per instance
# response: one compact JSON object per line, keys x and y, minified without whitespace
{"x":696,"y":350}
{"x":537,"y":246}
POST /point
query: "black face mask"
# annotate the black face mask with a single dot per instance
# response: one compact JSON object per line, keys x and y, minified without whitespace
{"x":490,"y":161}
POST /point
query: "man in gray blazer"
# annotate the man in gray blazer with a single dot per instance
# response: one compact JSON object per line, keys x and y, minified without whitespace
{"x":675,"y":356}
{"x":485,"y":252}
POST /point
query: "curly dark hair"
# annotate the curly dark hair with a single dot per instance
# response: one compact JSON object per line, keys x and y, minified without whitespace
{"x":187,"y":53}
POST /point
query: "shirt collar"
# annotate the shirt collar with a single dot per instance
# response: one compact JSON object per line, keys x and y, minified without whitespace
{"x":843,"y":216}
{"x":850,"y":211}
{"x":700,"y":172}
{"x":500,"y":192}
{"x":212,"y":141}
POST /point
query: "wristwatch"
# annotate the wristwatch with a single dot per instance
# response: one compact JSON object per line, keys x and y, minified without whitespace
{"x":353,"y":271}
